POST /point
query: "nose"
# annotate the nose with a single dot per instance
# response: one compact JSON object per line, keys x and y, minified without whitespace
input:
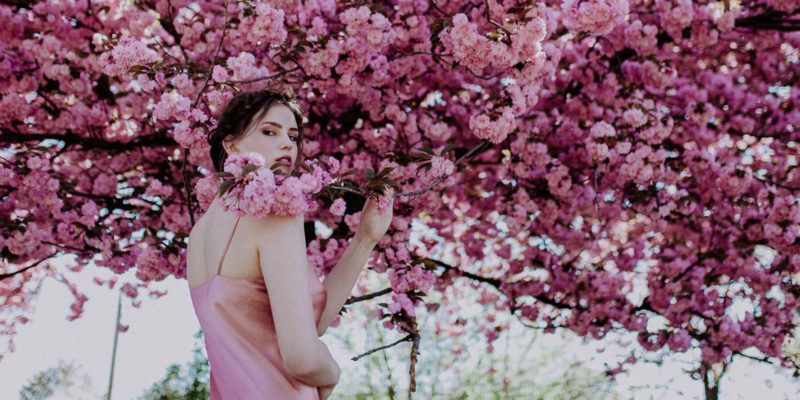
{"x":286,"y":144}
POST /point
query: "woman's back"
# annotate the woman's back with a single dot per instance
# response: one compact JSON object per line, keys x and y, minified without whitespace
{"x":232,"y":305}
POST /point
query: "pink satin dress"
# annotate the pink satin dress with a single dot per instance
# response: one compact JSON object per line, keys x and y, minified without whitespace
{"x":240,"y":339}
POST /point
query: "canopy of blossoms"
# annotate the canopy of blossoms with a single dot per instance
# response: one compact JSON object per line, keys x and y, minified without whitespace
{"x":596,"y":165}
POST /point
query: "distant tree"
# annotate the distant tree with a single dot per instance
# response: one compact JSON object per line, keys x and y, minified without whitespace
{"x":189,"y":382}
{"x":455,"y":362}
{"x":59,"y":379}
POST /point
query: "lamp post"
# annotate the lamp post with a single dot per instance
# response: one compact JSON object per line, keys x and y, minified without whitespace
{"x":114,"y":349}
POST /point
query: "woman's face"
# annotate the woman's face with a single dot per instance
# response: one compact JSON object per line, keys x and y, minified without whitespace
{"x":274,"y":135}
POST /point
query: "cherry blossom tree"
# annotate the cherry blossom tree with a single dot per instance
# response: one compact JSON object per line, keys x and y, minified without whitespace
{"x":592,"y":165}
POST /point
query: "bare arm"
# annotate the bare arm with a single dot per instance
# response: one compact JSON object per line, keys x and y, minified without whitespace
{"x":284,"y":265}
{"x":343,"y":277}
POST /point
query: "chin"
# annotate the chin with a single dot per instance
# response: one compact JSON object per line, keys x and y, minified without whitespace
{"x":282,"y":169}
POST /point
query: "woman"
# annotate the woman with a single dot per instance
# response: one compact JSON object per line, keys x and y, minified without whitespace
{"x":260,"y":304}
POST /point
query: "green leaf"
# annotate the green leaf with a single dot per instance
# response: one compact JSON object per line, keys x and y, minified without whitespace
{"x":390,"y":182}
{"x":224,"y":187}
{"x":448,"y":148}
{"x":250,"y":168}
{"x":137,"y":69}
{"x":385,"y":172}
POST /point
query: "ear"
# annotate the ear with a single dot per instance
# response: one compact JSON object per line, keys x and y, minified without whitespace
{"x":229,"y":149}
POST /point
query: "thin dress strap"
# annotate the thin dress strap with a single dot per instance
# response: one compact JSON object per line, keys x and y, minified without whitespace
{"x":219,"y":267}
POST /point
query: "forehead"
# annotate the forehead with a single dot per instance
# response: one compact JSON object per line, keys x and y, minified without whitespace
{"x":277,"y":114}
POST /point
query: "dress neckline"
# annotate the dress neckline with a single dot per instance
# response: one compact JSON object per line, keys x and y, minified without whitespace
{"x":232,"y":278}
{"x":258,"y":281}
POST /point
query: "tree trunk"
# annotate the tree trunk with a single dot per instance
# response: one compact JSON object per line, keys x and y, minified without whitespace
{"x":711,"y":390}
{"x":711,"y":379}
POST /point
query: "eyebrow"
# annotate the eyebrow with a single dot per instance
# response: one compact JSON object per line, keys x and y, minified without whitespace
{"x":278,"y":125}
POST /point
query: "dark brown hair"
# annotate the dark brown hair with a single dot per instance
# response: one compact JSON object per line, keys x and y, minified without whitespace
{"x":245,"y":108}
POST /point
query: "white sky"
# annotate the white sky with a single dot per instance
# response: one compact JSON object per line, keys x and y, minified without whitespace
{"x":161,"y":333}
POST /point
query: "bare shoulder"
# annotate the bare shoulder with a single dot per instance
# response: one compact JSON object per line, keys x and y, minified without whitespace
{"x":273,"y":222}
{"x":276,"y":234}
{"x":198,"y":226}
{"x":195,"y":267}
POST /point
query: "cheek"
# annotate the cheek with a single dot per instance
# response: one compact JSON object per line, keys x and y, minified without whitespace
{"x":267,"y":146}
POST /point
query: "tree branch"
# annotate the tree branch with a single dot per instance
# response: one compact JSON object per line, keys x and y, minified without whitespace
{"x":368,"y":296}
{"x":157,"y":139}
{"x":406,"y":338}
{"x":10,"y":274}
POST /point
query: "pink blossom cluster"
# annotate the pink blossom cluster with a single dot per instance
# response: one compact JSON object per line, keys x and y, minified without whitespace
{"x":128,"y":52}
{"x":467,"y":45}
{"x":493,"y":130}
{"x":679,"y":16}
{"x":338,"y":207}
{"x":40,"y":191}
{"x":172,"y":105}
{"x":264,"y":27}
{"x":152,"y":266}
{"x":416,"y":278}
{"x":527,"y":41}
{"x":76,"y":307}
{"x":244,"y":66}
{"x":641,"y":38}
{"x":323,"y":260}
{"x":440,"y":167}
{"x":189,"y":136}
{"x":320,"y":62}
{"x":373,"y":28}
{"x":787,"y":6}
{"x":400,"y":301}
{"x":595,"y":17}
{"x":206,"y":189}
{"x":256,"y":191}
{"x":476,"y":51}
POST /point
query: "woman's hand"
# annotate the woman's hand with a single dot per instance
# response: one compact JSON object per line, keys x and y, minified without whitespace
{"x":373,"y":225}
{"x":325,"y":391}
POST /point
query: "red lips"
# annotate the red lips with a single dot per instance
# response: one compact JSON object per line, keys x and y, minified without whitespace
{"x":286,"y":160}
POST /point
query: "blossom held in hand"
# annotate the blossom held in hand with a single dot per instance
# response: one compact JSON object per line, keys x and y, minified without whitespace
{"x":247,"y":187}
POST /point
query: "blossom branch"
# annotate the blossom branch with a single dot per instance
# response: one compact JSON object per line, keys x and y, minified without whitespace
{"x":770,"y":20}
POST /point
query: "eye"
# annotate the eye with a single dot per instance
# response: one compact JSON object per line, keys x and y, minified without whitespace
{"x":268,"y":131}
{"x":294,"y":138}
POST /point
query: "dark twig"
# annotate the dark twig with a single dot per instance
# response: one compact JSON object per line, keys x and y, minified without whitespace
{"x":10,"y":274}
{"x":406,"y":338}
{"x":365,"y":297}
